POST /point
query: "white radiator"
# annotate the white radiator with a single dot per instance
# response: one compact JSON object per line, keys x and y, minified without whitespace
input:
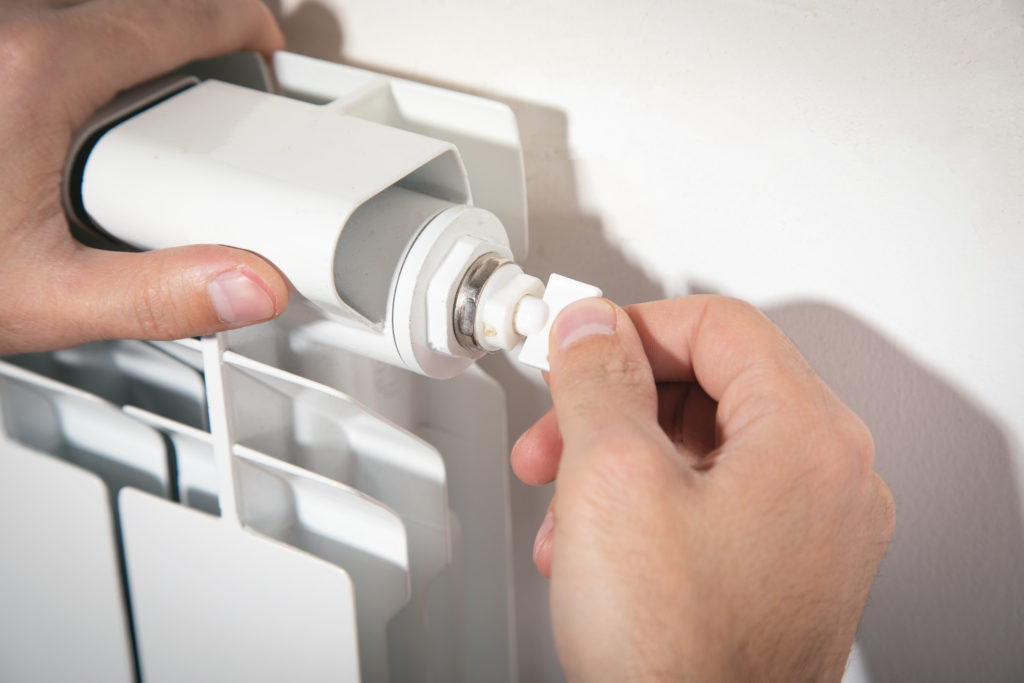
{"x":371,"y":541}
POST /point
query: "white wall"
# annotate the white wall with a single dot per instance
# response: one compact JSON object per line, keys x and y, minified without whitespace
{"x":855,"y":168}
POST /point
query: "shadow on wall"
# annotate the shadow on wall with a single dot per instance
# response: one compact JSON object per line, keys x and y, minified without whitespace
{"x":310,"y":29}
{"x":948,"y":604}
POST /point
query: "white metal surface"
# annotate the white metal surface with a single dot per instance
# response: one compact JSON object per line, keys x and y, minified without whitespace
{"x":311,"y":513}
{"x":464,"y":418}
{"x":61,"y":577}
{"x":214,"y":603}
{"x":60,"y":556}
{"x":84,"y":430}
{"x":329,"y":434}
{"x":273,"y":500}
{"x":325,"y":432}
{"x":127,"y":373}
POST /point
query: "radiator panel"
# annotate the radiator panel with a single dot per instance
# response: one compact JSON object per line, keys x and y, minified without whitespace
{"x":375,"y":538}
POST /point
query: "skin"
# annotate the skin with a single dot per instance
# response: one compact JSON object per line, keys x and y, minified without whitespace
{"x":716,"y":516}
{"x":58,"y":293}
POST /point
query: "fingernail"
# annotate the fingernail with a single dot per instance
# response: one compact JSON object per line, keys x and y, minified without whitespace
{"x":519,"y":440}
{"x":543,"y":533}
{"x":583,"y":318}
{"x":240,"y":296}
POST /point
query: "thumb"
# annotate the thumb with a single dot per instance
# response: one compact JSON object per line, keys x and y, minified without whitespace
{"x":601,"y":382}
{"x":164,"y":294}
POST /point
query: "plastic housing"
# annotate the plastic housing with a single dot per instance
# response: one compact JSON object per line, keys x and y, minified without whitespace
{"x":330,"y":184}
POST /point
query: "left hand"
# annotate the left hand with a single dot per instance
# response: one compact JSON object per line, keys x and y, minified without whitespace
{"x":57,"y":66}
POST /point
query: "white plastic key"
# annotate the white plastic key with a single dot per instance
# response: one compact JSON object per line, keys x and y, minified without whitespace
{"x":561,"y":291}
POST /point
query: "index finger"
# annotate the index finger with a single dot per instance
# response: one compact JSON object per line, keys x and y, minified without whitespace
{"x":126,"y":42}
{"x":723,"y":344}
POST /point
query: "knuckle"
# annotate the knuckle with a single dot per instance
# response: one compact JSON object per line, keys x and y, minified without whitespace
{"x":205,"y":14}
{"x":152,"y":324}
{"x":843,"y":459}
{"x":730,"y":308}
{"x":860,"y":444}
{"x":127,"y":29}
{"x":202,"y":11}
{"x":853,"y":446}
{"x":149,"y":307}
{"x":221,"y":25}
{"x":27,"y":48}
{"x":886,"y":509}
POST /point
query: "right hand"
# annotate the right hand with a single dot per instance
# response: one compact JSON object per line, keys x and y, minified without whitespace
{"x":716,"y":516}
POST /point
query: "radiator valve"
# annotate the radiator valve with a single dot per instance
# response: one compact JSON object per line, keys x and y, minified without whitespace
{"x":395,"y":209}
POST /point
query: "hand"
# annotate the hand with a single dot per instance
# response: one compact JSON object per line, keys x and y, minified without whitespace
{"x":716,"y":515}
{"x":56,"y":68}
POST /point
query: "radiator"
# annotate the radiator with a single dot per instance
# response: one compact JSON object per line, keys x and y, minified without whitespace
{"x":371,"y":540}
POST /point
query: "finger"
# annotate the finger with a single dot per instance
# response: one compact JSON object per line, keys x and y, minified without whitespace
{"x":739,"y":357}
{"x":544,"y":543}
{"x":179,"y":292}
{"x":126,"y":42}
{"x":86,"y":294}
{"x":601,"y":383}
{"x":536,"y":454}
